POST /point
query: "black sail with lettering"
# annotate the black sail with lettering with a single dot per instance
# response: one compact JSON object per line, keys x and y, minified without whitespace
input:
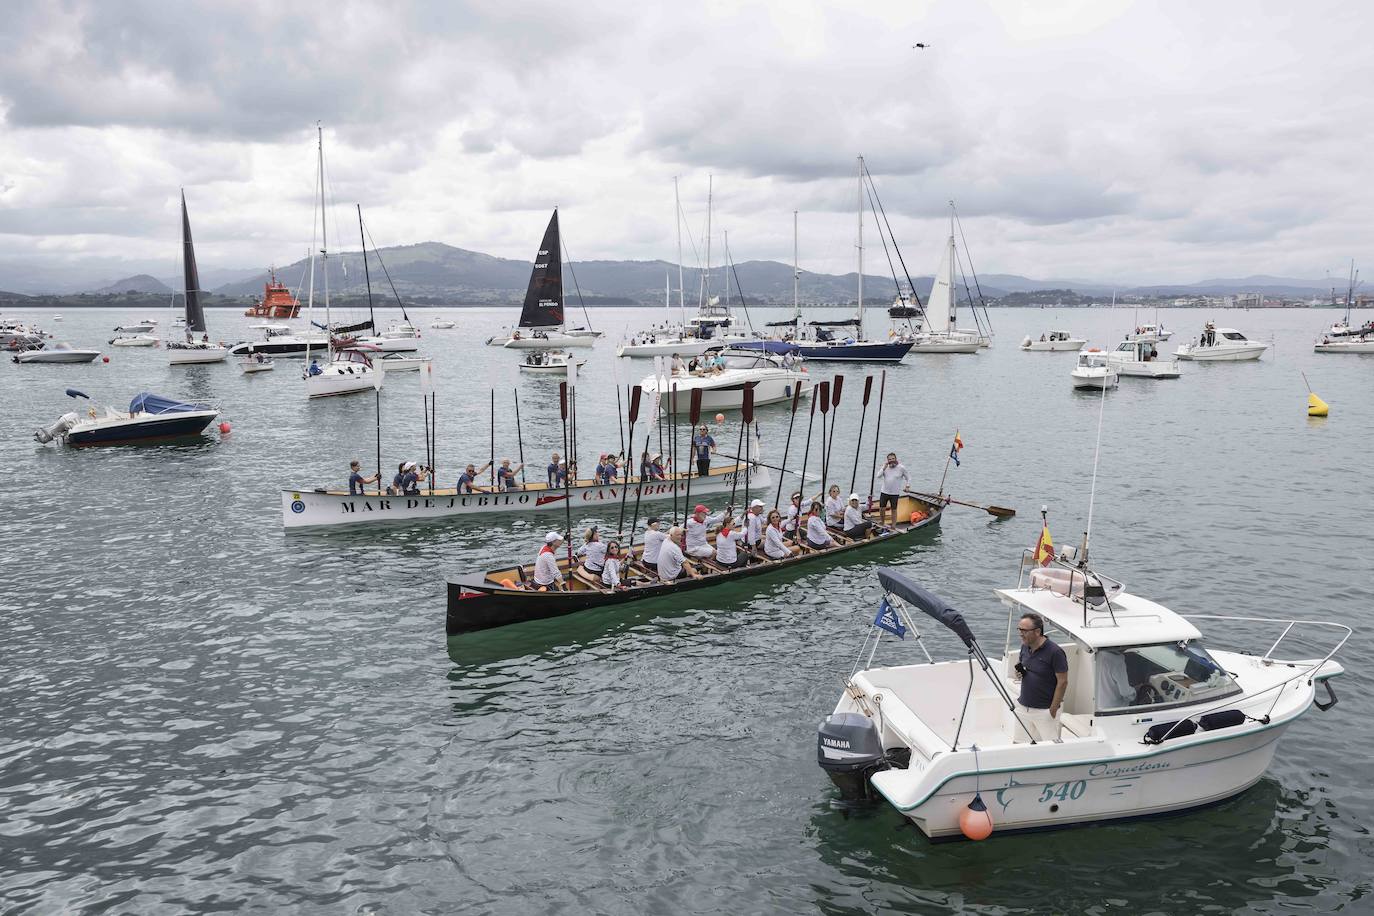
{"x":544,"y":298}
{"x":195,"y":315}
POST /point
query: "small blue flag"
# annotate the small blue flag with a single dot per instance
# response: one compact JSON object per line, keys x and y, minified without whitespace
{"x":954,"y":454}
{"x":887,"y":619}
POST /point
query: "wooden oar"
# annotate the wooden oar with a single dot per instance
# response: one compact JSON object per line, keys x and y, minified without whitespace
{"x":999,"y":511}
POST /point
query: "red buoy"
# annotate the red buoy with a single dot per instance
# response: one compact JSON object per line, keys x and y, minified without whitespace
{"x":104,"y":359}
{"x":224,"y":428}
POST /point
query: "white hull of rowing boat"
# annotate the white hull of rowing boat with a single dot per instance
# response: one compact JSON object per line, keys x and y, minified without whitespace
{"x":304,"y":508}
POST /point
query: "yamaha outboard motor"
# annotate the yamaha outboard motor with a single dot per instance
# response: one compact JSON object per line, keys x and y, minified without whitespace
{"x":850,"y":750}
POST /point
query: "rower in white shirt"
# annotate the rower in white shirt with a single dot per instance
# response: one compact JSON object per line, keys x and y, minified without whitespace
{"x":727,"y":541}
{"x":610,"y":570}
{"x":834,"y":507}
{"x":817,"y":535}
{"x":672,"y":563}
{"x":697,"y":526}
{"x":774,"y":547}
{"x":592,"y":551}
{"x":855,"y":525}
{"x":653,"y":544}
{"x":546,"y":571}
{"x":754,"y":524}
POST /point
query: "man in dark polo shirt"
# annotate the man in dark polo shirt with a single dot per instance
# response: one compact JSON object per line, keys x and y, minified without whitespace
{"x":1043,"y":671}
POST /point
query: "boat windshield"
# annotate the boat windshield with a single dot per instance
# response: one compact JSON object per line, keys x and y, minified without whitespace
{"x":1137,"y":678}
{"x":1233,"y":335}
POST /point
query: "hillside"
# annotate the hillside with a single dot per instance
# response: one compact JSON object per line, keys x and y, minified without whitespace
{"x":142,"y":283}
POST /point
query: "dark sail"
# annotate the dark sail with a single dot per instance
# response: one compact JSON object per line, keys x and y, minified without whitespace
{"x":544,"y":299}
{"x":195,"y":315}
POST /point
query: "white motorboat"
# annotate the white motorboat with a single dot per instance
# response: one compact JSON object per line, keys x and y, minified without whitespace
{"x":134,"y":340}
{"x":255,"y":363}
{"x":399,"y":330}
{"x":57,"y":353}
{"x":1093,"y":371}
{"x":148,"y":417}
{"x":57,"y":318}
{"x":391,"y":344}
{"x":1141,"y":358}
{"x":1355,"y":342}
{"x":280,"y":340}
{"x":548,"y":362}
{"x":1151,"y":333}
{"x":138,"y":327}
{"x":723,"y":389}
{"x":16,"y":336}
{"x":1221,"y":345}
{"x":1053,"y":342}
{"x":663,"y":343}
{"x":190,"y":350}
{"x":396,"y":362}
{"x":1152,"y":722}
{"x":442,"y":324}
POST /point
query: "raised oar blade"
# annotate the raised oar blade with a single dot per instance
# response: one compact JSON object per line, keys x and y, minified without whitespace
{"x":868,"y":388}
{"x":563,"y":400}
{"x":839,"y":386}
{"x":635,"y":394}
{"x":748,"y":409}
{"x":195,"y":315}
{"x":695,"y":412}
{"x":796,"y":396}
{"x":823,"y":395}
{"x":544,"y":298}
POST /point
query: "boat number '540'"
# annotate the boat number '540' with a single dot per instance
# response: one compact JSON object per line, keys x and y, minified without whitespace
{"x":1064,"y":791}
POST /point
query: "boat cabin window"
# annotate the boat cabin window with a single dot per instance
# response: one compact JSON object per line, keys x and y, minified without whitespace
{"x":1136,"y":678}
{"x":1232,"y":335}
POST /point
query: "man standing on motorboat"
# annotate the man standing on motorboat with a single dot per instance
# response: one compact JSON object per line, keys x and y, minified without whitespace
{"x":1043,"y":670}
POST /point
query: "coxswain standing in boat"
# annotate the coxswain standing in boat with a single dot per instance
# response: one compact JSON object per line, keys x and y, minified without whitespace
{"x":593,"y":552}
{"x":505,"y":475}
{"x":697,"y":525}
{"x":703,"y":444}
{"x":356,"y":480}
{"x":547,"y":575}
{"x":1043,"y":670}
{"x":895,"y":479}
{"x":468,"y":477}
{"x":653,"y":543}
{"x":672,"y":563}
{"x":557,"y":472}
{"x":817,"y":535}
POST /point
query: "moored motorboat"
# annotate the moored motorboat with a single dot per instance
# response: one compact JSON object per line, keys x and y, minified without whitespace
{"x":508,"y":595}
{"x":57,"y":353}
{"x":307,"y":507}
{"x":280,"y":340}
{"x":1053,"y":342}
{"x":255,"y":363}
{"x":1140,"y":358}
{"x":442,"y":324}
{"x":1093,"y":371}
{"x":134,"y":340}
{"x":1152,"y":721}
{"x":548,"y":362}
{"x":1150,"y":333}
{"x":1221,"y":345}
{"x":148,"y":417}
{"x":723,"y":389}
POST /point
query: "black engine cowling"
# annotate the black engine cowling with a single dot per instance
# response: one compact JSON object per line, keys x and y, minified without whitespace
{"x":850,"y":750}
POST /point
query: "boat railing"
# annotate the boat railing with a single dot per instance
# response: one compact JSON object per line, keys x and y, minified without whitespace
{"x":1288,"y":627}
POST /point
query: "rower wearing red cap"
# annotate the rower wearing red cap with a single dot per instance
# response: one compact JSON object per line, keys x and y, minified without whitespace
{"x":697,"y":527}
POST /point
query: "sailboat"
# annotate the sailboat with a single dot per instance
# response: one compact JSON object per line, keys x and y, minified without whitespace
{"x":541,"y":317}
{"x":192,"y":350}
{"x":1341,"y":337}
{"x":940,"y":334}
{"x":346,"y":371}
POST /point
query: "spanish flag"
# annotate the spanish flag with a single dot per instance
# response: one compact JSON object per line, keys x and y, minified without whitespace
{"x":1044,"y":548}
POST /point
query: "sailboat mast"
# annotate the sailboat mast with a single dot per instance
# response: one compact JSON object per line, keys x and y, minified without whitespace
{"x":1350,"y":292}
{"x":953,"y":292}
{"x":310,"y":300}
{"x":861,"y":244}
{"x":324,"y":251}
{"x":677,"y":208}
{"x":726,"y":263}
{"x":796,"y":275}
{"x":710,"y":185}
{"x":362,"y":237}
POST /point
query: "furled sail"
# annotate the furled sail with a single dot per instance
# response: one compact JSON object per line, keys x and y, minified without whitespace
{"x":940,"y":305}
{"x":544,"y":298}
{"x":195,"y":314}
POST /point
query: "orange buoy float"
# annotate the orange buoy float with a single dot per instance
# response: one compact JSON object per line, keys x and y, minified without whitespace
{"x":975,"y":821}
{"x":507,"y":583}
{"x":224,"y":428}
{"x":720,"y":418}
{"x":917,"y":516}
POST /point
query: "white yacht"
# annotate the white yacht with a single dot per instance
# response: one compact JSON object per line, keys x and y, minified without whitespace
{"x":548,"y":362}
{"x":442,"y":324}
{"x":664,"y":341}
{"x":1221,"y":345}
{"x":57,"y":353}
{"x":398,"y":330}
{"x":280,"y":340}
{"x":723,"y":388}
{"x":348,"y":371}
{"x":191,"y":351}
{"x":133,"y":340}
{"x":1153,"y":333}
{"x":1053,"y":342}
{"x":1153,"y":721}
{"x":1141,"y":358}
{"x":1093,"y":371}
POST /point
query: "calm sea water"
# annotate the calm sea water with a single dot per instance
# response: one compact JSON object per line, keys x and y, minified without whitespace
{"x":203,"y":714}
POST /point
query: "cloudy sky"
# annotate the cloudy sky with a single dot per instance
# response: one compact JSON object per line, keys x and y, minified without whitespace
{"x":1103,"y":139}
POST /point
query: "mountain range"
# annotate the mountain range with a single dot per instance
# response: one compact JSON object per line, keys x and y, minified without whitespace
{"x":433,"y":272}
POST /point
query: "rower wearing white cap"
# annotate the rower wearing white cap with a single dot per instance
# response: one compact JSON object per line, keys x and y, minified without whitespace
{"x":753,"y":524}
{"x":697,"y":526}
{"x":546,"y":571}
{"x":855,"y":525}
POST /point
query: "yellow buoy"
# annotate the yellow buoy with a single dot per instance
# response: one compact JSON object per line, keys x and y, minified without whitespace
{"x":1316,"y":407}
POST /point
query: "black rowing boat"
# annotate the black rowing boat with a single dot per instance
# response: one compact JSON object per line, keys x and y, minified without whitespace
{"x":500,"y":597}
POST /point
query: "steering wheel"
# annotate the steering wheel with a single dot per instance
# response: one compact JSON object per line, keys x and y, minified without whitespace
{"x":1146,"y":694}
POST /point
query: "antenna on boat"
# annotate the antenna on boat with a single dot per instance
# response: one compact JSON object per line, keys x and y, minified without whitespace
{"x":1092,"y":492}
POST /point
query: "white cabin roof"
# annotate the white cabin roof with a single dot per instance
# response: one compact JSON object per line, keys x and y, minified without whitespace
{"x":1132,"y":621}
